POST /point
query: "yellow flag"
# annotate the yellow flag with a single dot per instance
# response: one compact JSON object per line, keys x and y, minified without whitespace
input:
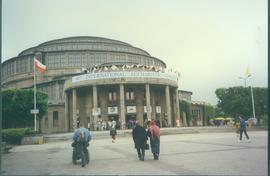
{"x":247,"y":73}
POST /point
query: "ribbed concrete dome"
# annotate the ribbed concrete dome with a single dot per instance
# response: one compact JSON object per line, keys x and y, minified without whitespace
{"x":85,"y":43}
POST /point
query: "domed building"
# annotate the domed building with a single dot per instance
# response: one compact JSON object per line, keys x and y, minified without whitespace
{"x":92,"y":80}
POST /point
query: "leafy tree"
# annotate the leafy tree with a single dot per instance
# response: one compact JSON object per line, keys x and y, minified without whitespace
{"x":17,"y":104}
{"x":235,"y":100}
{"x":209,"y":112}
{"x":185,"y":108}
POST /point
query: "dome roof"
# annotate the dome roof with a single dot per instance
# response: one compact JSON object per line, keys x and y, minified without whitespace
{"x":85,"y":43}
{"x":84,"y":39}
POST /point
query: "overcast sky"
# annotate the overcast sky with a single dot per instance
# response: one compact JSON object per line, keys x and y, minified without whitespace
{"x":210,"y":42}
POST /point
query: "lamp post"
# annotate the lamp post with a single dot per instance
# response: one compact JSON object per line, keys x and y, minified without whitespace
{"x":245,"y":79}
{"x":252,"y":97}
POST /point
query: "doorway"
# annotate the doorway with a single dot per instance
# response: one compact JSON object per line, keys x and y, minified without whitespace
{"x":130,"y":121}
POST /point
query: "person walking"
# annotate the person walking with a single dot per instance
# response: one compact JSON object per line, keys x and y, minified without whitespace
{"x":237,"y":128}
{"x":154,"y":134}
{"x":243,"y":128}
{"x":139,"y":136}
{"x":113,"y":132}
{"x":81,"y":139}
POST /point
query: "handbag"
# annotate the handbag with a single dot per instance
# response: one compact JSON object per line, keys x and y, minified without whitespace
{"x":146,"y":146}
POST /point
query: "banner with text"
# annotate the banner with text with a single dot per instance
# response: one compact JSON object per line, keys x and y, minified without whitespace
{"x":122,"y":74}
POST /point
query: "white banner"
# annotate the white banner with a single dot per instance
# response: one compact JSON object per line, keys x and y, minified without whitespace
{"x":158,"y":109}
{"x":123,"y":74}
{"x":145,"y":109}
{"x":131,"y":109}
{"x":113,"y":110}
{"x":97,"y":112}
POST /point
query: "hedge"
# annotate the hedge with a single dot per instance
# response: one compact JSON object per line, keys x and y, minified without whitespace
{"x":14,"y":135}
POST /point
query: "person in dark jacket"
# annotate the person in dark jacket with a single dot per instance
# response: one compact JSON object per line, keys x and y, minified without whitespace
{"x":243,"y":128}
{"x":140,"y":138}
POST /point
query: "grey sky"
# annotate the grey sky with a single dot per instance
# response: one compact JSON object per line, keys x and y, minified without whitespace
{"x":210,"y":42}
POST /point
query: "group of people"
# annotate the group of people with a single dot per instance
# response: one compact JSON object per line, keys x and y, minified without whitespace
{"x":140,"y":136}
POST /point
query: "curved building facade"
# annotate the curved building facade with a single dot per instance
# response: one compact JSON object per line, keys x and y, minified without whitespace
{"x":94,"y":79}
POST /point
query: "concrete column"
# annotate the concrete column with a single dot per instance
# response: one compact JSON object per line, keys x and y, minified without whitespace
{"x":95,"y":105}
{"x":148,"y":105}
{"x":177,"y":108}
{"x":74,"y":108}
{"x":89,"y":106}
{"x":122,"y":104}
{"x":168,"y":105}
{"x":66,"y":112}
{"x":152,"y":100}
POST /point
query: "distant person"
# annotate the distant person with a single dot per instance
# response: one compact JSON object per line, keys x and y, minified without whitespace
{"x":243,"y":128}
{"x":113,"y":132}
{"x":158,"y":123}
{"x":88,"y":126}
{"x":177,"y":121}
{"x":140,"y":138}
{"x":237,"y":128}
{"x":154,"y":134}
{"x":164,"y":123}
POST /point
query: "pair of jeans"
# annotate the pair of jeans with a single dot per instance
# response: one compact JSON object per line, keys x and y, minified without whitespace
{"x":241,"y":133}
{"x":141,"y":153}
{"x":83,"y":146}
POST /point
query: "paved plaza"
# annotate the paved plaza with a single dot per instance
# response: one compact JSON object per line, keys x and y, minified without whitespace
{"x":181,"y":154}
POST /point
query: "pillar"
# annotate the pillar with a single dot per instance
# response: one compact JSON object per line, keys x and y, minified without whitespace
{"x":66,"y":112}
{"x":148,"y":105}
{"x":95,"y":106}
{"x":74,"y":108}
{"x":177,"y":106}
{"x":168,"y":105}
{"x":122,"y":103}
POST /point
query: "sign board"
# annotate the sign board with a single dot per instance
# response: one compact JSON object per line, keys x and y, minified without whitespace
{"x":131,"y":109}
{"x":158,"y":109}
{"x":123,"y":74}
{"x":97,"y":112}
{"x":145,"y":109}
{"x":113,"y":110}
{"x":34,"y":111}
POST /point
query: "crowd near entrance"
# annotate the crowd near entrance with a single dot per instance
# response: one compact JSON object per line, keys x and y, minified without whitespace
{"x":130,"y":121}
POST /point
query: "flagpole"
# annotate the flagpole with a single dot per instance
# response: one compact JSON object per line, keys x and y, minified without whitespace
{"x":253,"y":107}
{"x":35,"y":114}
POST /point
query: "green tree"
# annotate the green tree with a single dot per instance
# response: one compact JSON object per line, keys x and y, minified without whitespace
{"x":209,"y":112}
{"x":235,"y":100}
{"x":17,"y":104}
{"x":185,"y":108}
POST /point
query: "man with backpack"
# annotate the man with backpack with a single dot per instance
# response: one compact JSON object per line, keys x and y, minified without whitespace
{"x":81,"y":138}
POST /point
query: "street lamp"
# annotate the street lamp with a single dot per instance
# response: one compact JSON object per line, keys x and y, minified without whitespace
{"x":252,"y":98}
{"x":245,"y":79}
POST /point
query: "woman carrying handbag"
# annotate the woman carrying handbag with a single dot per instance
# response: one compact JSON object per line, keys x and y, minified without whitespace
{"x":140,"y":140}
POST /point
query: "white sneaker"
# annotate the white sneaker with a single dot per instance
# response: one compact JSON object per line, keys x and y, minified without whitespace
{"x":238,"y":140}
{"x":249,"y":140}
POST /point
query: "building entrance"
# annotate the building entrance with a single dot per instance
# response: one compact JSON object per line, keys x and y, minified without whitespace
{"x":130,"y":121}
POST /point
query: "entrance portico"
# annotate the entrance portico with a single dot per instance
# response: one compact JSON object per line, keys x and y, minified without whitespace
{"x":98,"y":100}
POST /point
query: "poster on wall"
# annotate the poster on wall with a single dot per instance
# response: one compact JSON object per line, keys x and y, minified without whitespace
{"x":95,"y":113}
{"x":113,"y":110}
{"x":131,"y":109}
{"x":158,"y":109}
{"x":145,"y":109}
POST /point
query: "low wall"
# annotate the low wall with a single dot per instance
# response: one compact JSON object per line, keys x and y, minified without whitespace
{"x":37,"y":139}
{"x":163,"y":131}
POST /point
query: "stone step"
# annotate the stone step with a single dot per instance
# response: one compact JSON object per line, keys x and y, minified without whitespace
{"x":163,"y":131}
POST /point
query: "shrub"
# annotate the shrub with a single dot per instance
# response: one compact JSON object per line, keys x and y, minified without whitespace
{"x":14,"y":135}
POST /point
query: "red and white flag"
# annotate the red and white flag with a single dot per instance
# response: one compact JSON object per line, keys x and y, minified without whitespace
{"x":39,"y":66}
